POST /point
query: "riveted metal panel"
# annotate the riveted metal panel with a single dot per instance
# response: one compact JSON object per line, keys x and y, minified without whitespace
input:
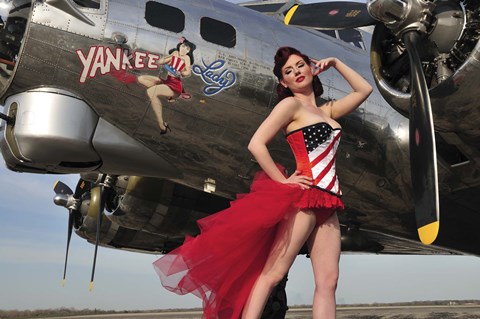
{"x":48,"y":15}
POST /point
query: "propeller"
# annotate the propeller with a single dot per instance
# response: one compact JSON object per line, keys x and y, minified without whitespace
{"x":98,"y":197}
{"x":9,"y":120}
{"x":329,"y":15}
{"x":97,"y":204}
{"x":408,"y":20}
{"x":67,"y":198}
{"x":423,"y":154}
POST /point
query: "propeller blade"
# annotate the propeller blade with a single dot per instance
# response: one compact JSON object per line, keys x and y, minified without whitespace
{"x":99,"y":191}
{"x":423,"y":155}
{"x":69,"y":236}
{"x":329,"y":15}
{"x":82,"y":187}
{"x":62,"y":188}
{"x":9,"y":120}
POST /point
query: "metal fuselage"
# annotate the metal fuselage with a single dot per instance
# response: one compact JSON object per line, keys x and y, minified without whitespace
{"x":64,"y":61}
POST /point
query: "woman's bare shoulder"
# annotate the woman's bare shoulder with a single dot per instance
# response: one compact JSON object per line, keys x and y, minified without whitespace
{"x":327,"y":107}
{"x":288,"y":105}
{"x":288,"y":102}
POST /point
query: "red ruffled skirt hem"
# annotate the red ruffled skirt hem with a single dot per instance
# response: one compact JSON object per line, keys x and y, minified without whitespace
{"x":221,"y":264}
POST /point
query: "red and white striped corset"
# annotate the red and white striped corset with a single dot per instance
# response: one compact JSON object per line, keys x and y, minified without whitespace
{"x":177,"y":63}
{"x":315,"y":147}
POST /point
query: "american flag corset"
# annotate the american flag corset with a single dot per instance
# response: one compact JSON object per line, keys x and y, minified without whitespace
{"x":315,"y":147}
{"x":177,"y":63}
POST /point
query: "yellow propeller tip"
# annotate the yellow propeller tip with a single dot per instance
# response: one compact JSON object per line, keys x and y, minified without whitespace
{"x":289,"y":14}
{"x":91,"y":286}
{"x":429,"y":233}
{"x":63,"y":282}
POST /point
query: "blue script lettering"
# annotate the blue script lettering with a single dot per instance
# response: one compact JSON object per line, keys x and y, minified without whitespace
{"x":215,"y":80}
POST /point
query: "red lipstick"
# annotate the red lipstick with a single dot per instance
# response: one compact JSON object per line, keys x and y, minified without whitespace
{"x":300,"y":79}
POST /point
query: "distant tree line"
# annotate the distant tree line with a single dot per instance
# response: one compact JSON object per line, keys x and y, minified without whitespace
{"x":421,"y":303}
{"x":66,"y":312}
{"x":43,"y":313}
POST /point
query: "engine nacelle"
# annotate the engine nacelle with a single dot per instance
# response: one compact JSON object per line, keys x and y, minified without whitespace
{"x":54,"y":131}
{"x":159,"y":206}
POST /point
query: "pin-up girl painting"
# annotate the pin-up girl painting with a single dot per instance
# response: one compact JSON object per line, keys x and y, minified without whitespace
{"x":179,"y":65}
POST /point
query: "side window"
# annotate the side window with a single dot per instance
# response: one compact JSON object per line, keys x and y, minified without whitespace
{"x":218,"y":32}
{"x":91,"y":4}
{"x":164,"y":17}
{"x":352,"y":36}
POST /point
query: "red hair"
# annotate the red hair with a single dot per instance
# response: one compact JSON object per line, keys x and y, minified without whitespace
{"x":281,"y":58}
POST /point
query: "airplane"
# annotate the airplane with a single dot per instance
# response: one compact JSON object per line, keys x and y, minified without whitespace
{"x":84,"y":87}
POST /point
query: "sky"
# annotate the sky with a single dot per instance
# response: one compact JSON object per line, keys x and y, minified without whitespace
{"x":33,"y":235}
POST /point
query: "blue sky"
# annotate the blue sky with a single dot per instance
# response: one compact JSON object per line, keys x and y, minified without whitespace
{"x":32,"y":246}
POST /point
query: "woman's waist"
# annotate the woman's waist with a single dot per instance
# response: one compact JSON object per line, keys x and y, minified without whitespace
{"x":326,"y":180}
{"x":304,"y":170}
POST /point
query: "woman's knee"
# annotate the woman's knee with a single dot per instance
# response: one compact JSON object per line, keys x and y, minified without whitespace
{"x":327,"y":281}
{"x":142,"y":79}
{"x":151,"y":92}
{"x":272,"y":278}
{"x":145,"y":80}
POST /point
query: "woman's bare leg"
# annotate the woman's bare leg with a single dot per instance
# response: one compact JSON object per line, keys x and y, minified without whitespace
{"x":148,"y":80}
{"x":154,"y":93}
{"x":291,"y":235}
{"x":324,"y":245}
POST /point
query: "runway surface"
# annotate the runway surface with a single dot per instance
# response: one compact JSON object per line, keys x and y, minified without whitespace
{"x":384,"y":312}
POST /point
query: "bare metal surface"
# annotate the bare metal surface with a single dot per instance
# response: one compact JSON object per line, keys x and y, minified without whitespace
{"x":210,"y":134}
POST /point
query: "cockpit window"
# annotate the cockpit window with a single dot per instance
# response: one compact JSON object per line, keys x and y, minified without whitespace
{"x":92,"y":4}
{"x":164,"y":17}
{"x":218,"y":32}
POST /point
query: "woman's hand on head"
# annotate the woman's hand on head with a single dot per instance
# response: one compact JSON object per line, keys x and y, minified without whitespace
{"x":303,"y":181}
{"x":323,"y":65}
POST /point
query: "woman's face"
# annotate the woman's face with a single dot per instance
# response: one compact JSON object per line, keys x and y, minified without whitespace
{"x":184,"y":49}
{"x":296,"y":74}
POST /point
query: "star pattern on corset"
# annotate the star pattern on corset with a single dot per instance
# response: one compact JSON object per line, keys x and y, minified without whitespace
{"x":316,"y":135}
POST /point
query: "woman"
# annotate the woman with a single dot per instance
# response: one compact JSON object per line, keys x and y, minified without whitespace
{"x":245,"y":250}
{"x":179,"y":65}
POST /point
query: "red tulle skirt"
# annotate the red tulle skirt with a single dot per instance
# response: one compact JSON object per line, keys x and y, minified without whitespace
{"x":222,"y":263}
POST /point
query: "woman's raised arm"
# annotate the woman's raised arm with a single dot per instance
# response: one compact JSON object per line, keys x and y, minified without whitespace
{"x":361,"y":88}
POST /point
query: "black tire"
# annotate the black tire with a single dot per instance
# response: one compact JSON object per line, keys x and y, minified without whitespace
{"x":276,"y":307}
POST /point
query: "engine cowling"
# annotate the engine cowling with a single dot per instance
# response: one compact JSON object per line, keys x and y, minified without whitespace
{"x":159,"y":206}
{"x":450,"y":56}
